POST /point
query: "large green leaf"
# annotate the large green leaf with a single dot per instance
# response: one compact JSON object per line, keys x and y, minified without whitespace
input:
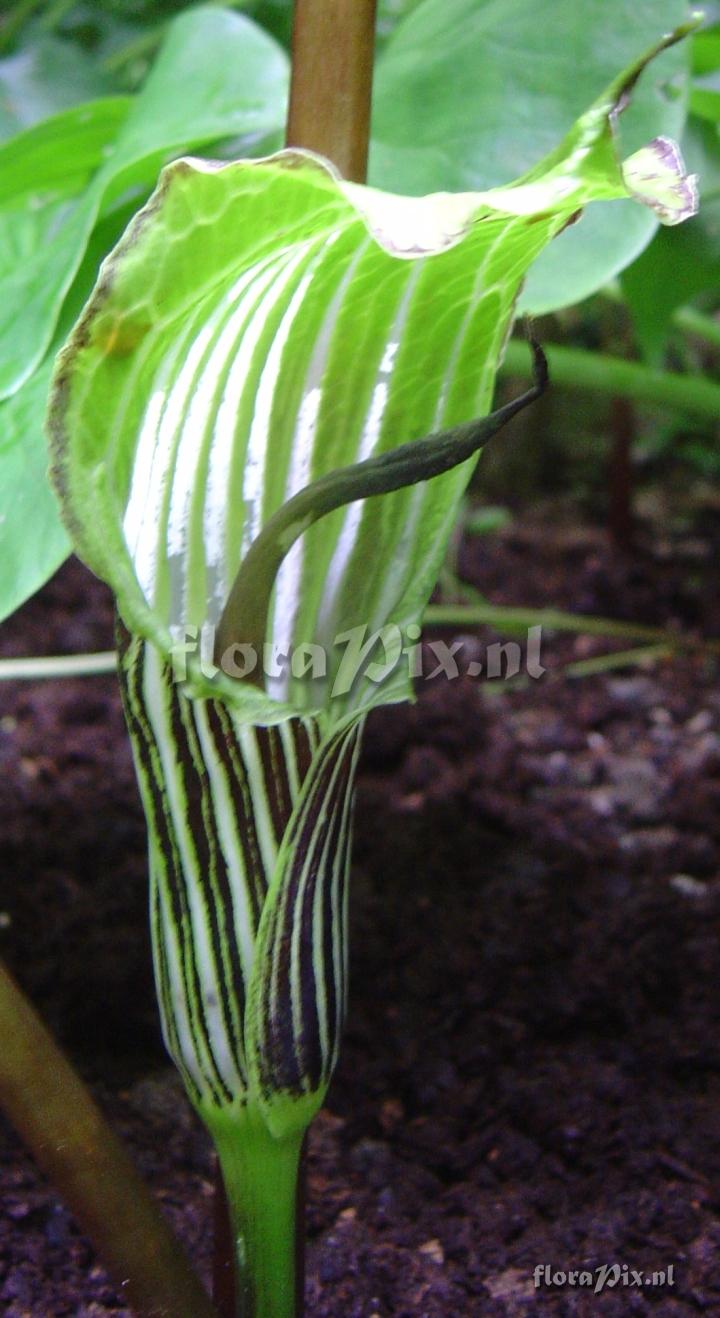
{"x":41,"y":172}
{"x":263,"y":324}
{"x":470,"y":93}
{"x":30,"y":556}
{"x":46,"y":77}
{"x":60,"y":155}
{"x":218,"y":75}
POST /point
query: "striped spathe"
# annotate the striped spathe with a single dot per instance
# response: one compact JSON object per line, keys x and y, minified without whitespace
{"x":249,"y":832}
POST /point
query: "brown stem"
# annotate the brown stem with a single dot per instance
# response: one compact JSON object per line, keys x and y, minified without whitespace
{"x":64,"y":1129}
{"x":331,"y":85}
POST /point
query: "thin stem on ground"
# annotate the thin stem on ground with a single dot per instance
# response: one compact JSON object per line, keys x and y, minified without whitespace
{"x":696,"y":322}
{"x":510,"y":618}
{"x":52,"y":667}
{"x":621,"y":518}
{"x":607,"y":663}
{"x":475,"y":611}
{"x":58,"y":1120}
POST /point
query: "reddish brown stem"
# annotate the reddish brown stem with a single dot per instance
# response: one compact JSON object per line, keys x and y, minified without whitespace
{"x":331,"y":86}
{"x":55,"y":1115}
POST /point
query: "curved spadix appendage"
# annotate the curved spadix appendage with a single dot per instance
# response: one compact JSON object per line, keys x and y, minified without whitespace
{"x":245,"y":618}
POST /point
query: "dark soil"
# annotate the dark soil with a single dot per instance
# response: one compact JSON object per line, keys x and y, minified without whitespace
{"x":531,"y":1069}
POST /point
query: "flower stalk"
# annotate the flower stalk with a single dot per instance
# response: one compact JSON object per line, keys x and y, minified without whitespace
{"x":260,"y":1175}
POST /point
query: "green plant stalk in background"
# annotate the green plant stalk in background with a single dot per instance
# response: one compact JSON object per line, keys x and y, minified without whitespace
{"x":60,"y":1123}
{"x":573,"y":368}
{"x":261,"y":335}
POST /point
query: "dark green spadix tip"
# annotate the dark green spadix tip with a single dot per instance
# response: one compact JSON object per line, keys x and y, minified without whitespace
{"x":245,"y":616}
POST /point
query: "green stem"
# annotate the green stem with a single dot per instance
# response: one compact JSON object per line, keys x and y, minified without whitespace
{"x":60,"y":665}
{"x":575,"y":369}
{"x":605,"y":663}
{"x":500,"y":616}
{"x":260,"y":1175}
{"x":695,"y":322}
{"x":65,"y":1131}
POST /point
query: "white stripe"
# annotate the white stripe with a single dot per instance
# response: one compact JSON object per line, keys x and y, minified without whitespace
{"x":157,"y":697}
{"x":226,"y":821}
{"x":247,"y":738}
{"x":368,"y":443}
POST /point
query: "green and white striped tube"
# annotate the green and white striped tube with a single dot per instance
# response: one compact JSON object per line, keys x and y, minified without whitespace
{"x":249,"y":846}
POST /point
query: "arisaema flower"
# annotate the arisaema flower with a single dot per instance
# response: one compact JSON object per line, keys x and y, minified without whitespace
{"x":261,"y":427}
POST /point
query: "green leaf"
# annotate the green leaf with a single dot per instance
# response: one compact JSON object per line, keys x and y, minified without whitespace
{"x":275,"y":16}
{"x":39,"y":223}
{"x":46,"y":77}
{"x":236,"y":86}
{"x":469,"y":93}
{"x":706,"y":50}
{"x":705,"y":98}
{"x":33,"y":541}
{"x":61,"y":154}
{"x":705,"y":90}
{"x":26,"y":499}
{"x":262,"y":324}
